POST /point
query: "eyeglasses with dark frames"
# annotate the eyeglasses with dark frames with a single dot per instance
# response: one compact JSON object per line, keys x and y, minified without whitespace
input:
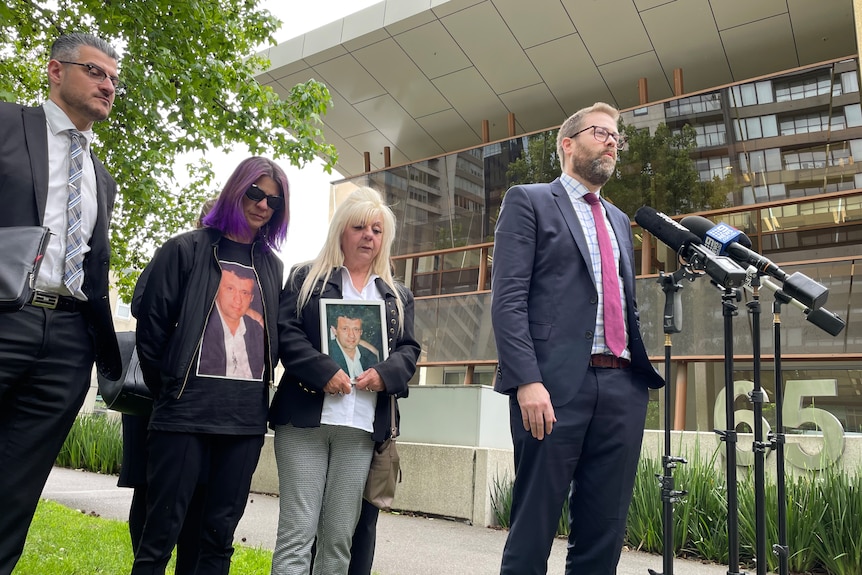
{"x":602,"y":135}
{"x":255,"y":194}
{"x":96,"y":74}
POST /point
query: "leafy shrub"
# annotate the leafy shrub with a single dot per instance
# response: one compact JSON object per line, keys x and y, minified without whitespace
{"x":95,"y":443}
{"x":824,"y":516}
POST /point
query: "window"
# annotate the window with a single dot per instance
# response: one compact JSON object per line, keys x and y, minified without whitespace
{"x":761,"y":160}
{"x":124,"y":309}
{"x":714,"y":134}
{"x":751,"y":94}
{"x":757,"y":127}
{"x":694,"y":105}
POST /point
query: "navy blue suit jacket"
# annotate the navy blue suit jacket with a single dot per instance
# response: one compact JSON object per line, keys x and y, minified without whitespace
{"x":544,"y":297}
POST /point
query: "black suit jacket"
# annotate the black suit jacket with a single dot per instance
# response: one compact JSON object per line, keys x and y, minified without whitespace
{"x":545,"y":301}
{"x":24,"y":194}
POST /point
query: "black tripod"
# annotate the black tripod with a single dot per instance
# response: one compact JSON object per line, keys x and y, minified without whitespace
{"x":831,"y":324}
{"x":669,"y":495}
{"x":758,"y":446}
{"x":729,"y":298}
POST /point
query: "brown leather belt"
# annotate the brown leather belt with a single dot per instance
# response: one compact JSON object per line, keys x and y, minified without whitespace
{"x":54,"y":301}
{"x":608,"y":361}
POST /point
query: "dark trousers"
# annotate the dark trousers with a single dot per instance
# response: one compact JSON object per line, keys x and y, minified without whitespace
{"x":364,"y":541}
{"x":363,"y":544}
{"x":189,"y":539}
{"x":174,"y":466}
{"x":46,"y":357}
{"x":591,"y":455}
{"x":134,"y":474}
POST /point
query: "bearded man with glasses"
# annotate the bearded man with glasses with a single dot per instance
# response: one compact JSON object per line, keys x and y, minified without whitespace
{"x":49,"y":177}
{"x":571,"y":357}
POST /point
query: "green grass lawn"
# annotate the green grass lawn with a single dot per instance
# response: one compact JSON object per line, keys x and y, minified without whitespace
{"x":63,"y":541}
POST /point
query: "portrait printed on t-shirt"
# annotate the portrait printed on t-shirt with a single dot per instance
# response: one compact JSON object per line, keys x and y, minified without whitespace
{"x":233,"y":344}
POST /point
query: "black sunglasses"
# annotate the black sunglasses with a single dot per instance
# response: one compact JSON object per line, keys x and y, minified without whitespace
{"x":255,"y":194}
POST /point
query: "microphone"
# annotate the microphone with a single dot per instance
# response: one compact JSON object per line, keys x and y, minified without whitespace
{"x":826,"y":320}
{"x":690,"y":248}
{"x":723,"y":239}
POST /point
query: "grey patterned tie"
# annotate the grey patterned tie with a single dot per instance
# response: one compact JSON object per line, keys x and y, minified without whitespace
{"x":73,"y":274}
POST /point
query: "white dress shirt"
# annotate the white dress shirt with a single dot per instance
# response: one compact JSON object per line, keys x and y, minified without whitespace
{"x":583,"y":211}
{"x":50,"y":277}
{"x":355,"y":409}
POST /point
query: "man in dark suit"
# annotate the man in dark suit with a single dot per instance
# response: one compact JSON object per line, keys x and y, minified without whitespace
{"x":47,"y":349}
{"x":570,"y":354}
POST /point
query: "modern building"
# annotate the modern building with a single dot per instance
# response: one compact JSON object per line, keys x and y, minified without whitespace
{"x":743,"y":112}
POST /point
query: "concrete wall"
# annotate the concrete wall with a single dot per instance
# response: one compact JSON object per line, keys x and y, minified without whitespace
{"x":456,"y":481}
{"x":455,"y":444}
{"x":468,"y":415}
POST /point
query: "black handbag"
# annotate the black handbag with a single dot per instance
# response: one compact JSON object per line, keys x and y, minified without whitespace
{"x":21,"y":251}
{"x":128,"y":394}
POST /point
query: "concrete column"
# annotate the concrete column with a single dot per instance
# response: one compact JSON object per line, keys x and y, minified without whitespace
{"x":857,"y":19}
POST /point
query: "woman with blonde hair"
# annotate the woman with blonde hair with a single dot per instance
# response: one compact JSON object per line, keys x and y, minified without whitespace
{"x":327,"y":419}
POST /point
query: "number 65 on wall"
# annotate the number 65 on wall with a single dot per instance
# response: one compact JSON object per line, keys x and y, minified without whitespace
{"x":794,"y":417}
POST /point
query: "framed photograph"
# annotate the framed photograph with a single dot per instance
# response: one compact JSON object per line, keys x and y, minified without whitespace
{"x":353,"y":333}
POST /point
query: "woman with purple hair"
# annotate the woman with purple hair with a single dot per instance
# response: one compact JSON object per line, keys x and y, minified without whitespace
{"x":207,"y":343}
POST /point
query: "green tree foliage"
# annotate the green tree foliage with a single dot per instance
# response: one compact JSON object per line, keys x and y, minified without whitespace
{"x":657,"y":170}
{"x":189,"y":73}
{"x":538,"y":163}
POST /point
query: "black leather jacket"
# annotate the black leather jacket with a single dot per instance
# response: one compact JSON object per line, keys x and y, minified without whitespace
{"x":181,"y":285}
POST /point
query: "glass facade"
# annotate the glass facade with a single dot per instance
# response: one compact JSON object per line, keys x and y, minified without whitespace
{"x":776,"y":158}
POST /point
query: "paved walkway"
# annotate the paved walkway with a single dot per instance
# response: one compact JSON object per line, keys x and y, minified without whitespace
{"x":406,"y":545}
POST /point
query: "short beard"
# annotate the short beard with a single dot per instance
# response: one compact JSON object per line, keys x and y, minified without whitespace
{"x":595,"y":172}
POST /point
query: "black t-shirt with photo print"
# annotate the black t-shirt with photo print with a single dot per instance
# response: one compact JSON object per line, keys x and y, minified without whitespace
{"x":225,"y":392}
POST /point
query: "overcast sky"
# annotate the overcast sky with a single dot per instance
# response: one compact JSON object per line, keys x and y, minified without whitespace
{"x":309,"y":186}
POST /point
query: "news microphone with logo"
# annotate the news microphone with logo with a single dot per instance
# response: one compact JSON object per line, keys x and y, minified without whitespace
{"x":689,"y":247}
{"x":722,"y":239}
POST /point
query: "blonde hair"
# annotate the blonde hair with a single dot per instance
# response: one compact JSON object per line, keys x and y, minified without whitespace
{"x":573,"y":125}
{"x":362,"y":206}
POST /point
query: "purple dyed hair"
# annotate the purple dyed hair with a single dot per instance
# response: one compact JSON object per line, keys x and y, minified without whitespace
{"x":227,"y":213}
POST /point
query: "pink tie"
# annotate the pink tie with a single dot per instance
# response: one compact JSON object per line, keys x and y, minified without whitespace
{"x":615,"y":329}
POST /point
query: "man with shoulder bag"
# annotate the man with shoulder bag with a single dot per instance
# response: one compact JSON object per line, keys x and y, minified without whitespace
{"x":49,"y":177}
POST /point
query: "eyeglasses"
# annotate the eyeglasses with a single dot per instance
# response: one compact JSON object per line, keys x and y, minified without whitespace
{"x":602,"y":135}
{"x":255,"y":194}
{"x":96,"y":74}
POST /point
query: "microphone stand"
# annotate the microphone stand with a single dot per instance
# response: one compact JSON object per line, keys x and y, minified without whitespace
{"x":758,"y":446}
{"x":729,"y":436}
{"x":780,"y":549}
{"x":831,"y":324}
{"x":669,"y":495}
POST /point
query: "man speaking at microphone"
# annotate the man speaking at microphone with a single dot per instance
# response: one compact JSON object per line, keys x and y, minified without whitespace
{"x":571,"y":357}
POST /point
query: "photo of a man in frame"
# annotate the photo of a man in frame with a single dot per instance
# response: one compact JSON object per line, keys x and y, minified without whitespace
{"x":231,"y":343}
{"x":354,"y":336}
